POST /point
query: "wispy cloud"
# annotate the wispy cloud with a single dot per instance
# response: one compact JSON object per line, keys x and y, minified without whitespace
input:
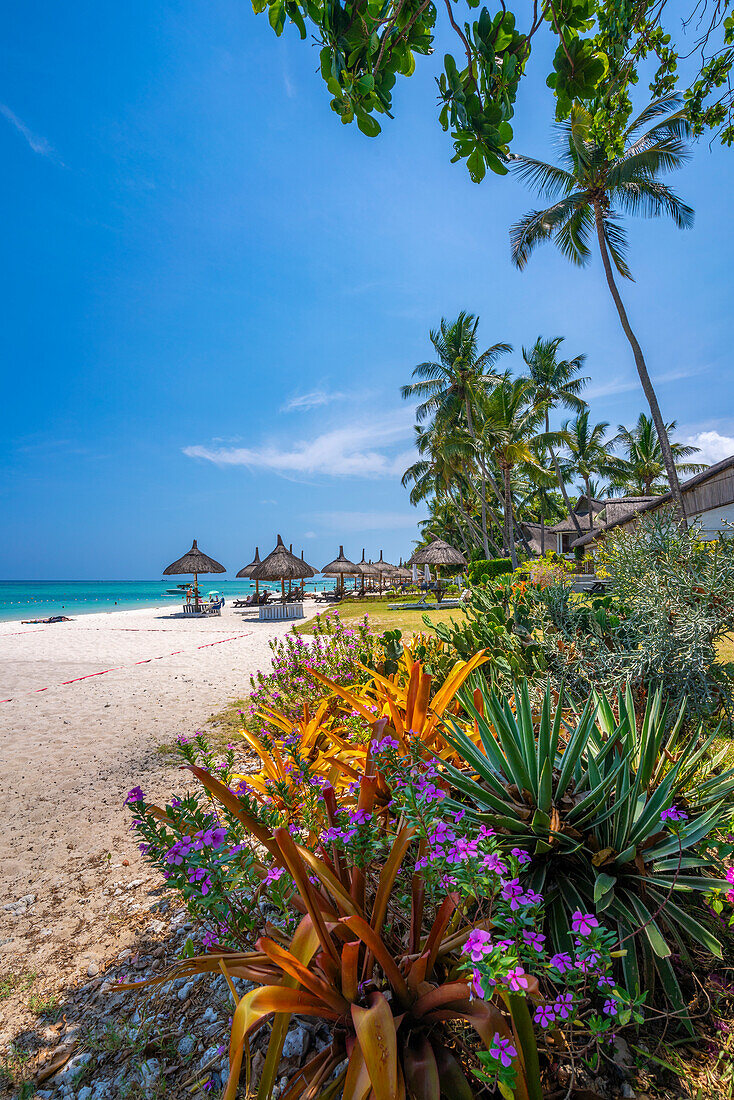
{"x":712,"y":445}
{"x":365,"y":451}
{"x":624,"y":385}
{"x":368,"y":521}
{"x":38,"y":144}
{"x":315,"y":399}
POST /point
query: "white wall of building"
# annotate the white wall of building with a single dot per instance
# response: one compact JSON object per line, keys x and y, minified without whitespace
{"x":715,"y":521}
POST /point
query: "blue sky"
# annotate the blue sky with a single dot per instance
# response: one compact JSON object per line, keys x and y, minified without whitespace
{"x":213,"y":290}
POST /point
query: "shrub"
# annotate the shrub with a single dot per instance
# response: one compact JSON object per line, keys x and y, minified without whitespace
{"x":337,"y":650}
{"x":496,"y":623}
{"x":671,"y":601}
{"x":479,"y":572}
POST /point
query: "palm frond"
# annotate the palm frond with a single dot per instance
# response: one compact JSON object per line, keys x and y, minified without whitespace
{"x":545,"y":179}
{"x":540,"y":225}
{"x":616,"y":239}
{"x":653,"y":199}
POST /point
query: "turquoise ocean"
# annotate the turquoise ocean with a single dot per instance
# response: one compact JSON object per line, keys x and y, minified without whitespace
{"x":40,"y":599}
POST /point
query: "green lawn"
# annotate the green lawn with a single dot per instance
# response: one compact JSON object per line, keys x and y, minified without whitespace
{"x":381,"y":618}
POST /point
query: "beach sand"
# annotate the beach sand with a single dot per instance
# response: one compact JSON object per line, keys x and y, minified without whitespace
{"x":85,"y":705}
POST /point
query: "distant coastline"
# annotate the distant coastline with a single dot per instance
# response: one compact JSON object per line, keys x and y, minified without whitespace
{"x":40,"y":599}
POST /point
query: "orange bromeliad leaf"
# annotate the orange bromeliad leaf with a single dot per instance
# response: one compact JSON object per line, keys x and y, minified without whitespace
{"x":305,"y":977}
{"x":456,"y":680}
{"x":421,"y":1071}
{"x":227,"y":797}
{"x":378,"y":948}
{"x":377,"y":1038}
{"x":389,"y":873}
{"x":357,"y":1083}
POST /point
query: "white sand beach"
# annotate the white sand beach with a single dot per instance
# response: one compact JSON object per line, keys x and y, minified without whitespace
{"x":85,"y":704}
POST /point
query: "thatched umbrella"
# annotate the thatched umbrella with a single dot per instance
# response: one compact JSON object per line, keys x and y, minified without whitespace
{"x":340,"y":568}
{"x":247,"y":570}
{"x":385,"y":569}
{"x":194,"y":562}
{"x":439,"y":553}
{"x":367,"y":570}
{"x":281,"y":565}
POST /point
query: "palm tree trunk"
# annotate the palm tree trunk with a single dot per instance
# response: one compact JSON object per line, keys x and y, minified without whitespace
{"x":473,"y":528}
{"x":642,"y":371}
{"x":588,"y":501}
{"x":483,"y":473}
{"x":509,"y":519}
{"x":561,"y":482}
{"x":542,"y":531}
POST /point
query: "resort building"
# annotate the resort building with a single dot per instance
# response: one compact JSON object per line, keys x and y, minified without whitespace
{"x":708,"y":498}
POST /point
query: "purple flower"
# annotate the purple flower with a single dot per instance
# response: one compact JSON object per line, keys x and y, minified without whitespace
{"x":516,"y":979}
{"x":583,"y":923}
{"x":274,"y":874}
{"x":493,"y":862}
{"x":359,"y":817}
{"x":135,"y":795}
{"x":521,"y":855}
{"x":563,"y":1006}
{"x":485,"y":832}
{"x":534,"y":940}
{"x":673,"y":814}
{"x":561,"y":962}
{"x":478,"y":944}
{"x":502,"y":1050}
{"x":512,"y":892}
{"x":475,"y":985}
{"x":610,"y":1006}
{"x":544,"y":1015}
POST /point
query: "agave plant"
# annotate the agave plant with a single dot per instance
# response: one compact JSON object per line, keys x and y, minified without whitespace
{"x":584,"y":794}
{"x":383,"y":972}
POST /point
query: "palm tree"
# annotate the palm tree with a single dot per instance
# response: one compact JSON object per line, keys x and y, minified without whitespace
{"x":441,"y":473}
{"x":589,"y":456}
{"x":450,"y":388}
{"x":591,"y":190}
{"x":552,"y":382}
{"x":539,"y":496}
{"x":642,"y":462}
{"x":509,"y":429}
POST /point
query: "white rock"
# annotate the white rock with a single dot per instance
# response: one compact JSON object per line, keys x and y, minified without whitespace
{"x":150,"y":1071}
{"x":71,"y":1069}
{"x":297,"y":1042}
{"x":185,"y":991}
{"x":84,"y":1093}
{"x":186,"y":1045}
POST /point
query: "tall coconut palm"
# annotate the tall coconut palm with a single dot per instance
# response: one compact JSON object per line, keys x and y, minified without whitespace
{"x":510,"y":430}
{"x":642,"y":459}
{"x":588,"y":454}
{"x":449,"y":388}
{"x":553,"y":382}
{"x":590,"y":191}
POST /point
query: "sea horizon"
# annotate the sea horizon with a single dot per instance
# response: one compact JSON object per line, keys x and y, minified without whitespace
{"x":34,"y":599}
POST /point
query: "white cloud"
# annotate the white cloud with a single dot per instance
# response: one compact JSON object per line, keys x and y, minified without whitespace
{"x":309,"y":535}
{"x":359,"y":451}
{"x":713,"y":446}
{"x":302,"y":402}
{"x":369,"y":521}
{"x":38,"y":144}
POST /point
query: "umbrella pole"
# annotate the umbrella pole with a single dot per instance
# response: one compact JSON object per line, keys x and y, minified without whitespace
{"x":196,"y":591}
{"x":282,"y":590}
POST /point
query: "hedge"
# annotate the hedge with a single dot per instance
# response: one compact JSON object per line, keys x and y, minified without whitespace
{"x":481,"y":571}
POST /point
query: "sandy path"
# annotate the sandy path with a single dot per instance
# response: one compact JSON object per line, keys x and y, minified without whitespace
{"x":69,"y":754}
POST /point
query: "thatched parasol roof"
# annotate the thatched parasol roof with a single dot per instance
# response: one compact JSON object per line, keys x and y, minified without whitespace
{"x":385,"y":567}
{"x":341,"y":566}
{"x":403,"y":574}
{"x":246,"y":570}
{"x":367,"y":569}
{"x":281,"y":565}
{"x":194,"y":562}
{"x":438,"y":553}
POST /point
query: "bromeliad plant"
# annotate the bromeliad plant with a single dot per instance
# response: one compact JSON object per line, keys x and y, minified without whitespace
{"x":404,"y":702}
{"x":587,"y":796}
